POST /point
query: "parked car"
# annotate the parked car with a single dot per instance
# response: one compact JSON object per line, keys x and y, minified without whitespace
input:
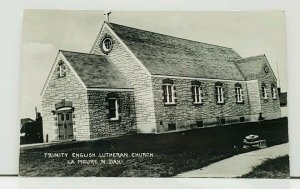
{"x":254,"y":141}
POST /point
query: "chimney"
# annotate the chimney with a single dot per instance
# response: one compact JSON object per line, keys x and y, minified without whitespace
{"x":36,"y":115}
{"x":279,"y":91}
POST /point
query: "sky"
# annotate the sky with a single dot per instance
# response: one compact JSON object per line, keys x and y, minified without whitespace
{"x":249,"y":33}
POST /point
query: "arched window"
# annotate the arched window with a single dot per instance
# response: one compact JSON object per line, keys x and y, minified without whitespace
{"x":61,"y":69}
{"x":197,"y":92}
{"x":169,"y":94}
{"x":264,"y":91}
{"x":219,"y":92}
{"x":239,"y":93}
{"x":274,"y":91}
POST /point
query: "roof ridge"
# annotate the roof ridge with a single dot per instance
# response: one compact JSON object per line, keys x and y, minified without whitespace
{"x":110,"y":24}
{"x":250,"y":57}
{"x":81,"y":53}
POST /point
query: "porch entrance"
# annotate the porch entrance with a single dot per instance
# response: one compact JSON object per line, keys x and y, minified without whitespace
{"x":65,"y":124}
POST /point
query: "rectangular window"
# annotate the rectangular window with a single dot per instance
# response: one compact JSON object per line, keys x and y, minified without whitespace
{"x":274,"y":93}
{"x":61,"y":69}
{"x":220,"y":94}
{"x":113,"y":109}
{"x":171,"y":127}
{"x":197,"y":94}
{"x":264,"y":92}
{"x":62,"y":117}
{"x":239,"y":94}
{"x":169,"y":97}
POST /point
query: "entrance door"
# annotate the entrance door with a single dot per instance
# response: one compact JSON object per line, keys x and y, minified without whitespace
{"x":65,"y":125}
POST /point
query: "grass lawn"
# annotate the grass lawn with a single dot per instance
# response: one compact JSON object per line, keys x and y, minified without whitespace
{"x":173,"y":152}
{"x":271,"y":168}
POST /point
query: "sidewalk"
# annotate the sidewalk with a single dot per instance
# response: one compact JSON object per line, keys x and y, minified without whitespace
{"x":238,"y":165}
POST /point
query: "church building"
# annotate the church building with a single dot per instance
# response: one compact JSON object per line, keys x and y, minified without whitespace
{"x":137,"y":81}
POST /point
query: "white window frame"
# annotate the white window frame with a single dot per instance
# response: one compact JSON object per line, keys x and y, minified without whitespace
{"x":172,"y":100}
{"x":239,"y":94}
{"x":200,"y":92}
{"x":220,"y":94}
{"x":265,"y":92}
{"x":60,"y":70}
{"x":274,"y":92}
{"x":104,"y":45}
{"x":116,"y":109}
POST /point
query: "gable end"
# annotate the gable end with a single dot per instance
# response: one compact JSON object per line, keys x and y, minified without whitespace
{"x":58,"y":58}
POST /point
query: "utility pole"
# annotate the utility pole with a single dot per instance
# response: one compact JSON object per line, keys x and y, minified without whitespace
{"x":278,"y":75}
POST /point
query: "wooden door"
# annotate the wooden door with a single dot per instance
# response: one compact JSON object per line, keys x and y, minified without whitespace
{"x":65,"y":125}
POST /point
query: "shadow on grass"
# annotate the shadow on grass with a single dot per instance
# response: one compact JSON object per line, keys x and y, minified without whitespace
{"x":173,"y":153}
{"x":271,"y":168}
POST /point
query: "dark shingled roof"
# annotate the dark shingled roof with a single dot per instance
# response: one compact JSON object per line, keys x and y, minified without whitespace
{"x":95,"y":71}
{"x":251,"y":66}
{"x":167,"y":55}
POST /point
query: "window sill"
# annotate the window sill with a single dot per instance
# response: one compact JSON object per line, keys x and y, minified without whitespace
{"x":170,"y":104}
{"x":265,"y":100}
{"x":240,"y":102}
{"x":220,"y":103}
{"x":198,"y":103}
{"x":114,"y":120}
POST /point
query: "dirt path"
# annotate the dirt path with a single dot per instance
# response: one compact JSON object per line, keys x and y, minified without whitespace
{"x":238,"y":165}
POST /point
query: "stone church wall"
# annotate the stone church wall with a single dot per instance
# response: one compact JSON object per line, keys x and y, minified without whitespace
{"x":270,"y":107}
{"x":138,"y":78}
{"x":66,"y":88}
{"x":185,"y":114}
{"x":101,"y":125}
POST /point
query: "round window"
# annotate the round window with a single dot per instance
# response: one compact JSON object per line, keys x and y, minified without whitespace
{"x":107,"y":44}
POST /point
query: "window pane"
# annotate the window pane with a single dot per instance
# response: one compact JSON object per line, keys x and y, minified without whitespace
{"x":165,"y":90}
{"x":62,"y":117}
{"x":220,"y":93}
{"x":197,"y":98}
{"x":111,"y":104}
{"x":170,"y":98}
{"x":197,"y":90}
{"x":170,"y":93}
{"x":112,"y":108}
{"x":112,"y":113}
{"x":238,"y":94}
{"x":170,"y":89}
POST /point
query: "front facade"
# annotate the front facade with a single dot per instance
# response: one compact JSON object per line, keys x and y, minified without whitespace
{"x":139,"y":81}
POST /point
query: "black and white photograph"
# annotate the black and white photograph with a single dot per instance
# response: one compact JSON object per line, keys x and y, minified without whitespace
{"x":154,"y":94}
